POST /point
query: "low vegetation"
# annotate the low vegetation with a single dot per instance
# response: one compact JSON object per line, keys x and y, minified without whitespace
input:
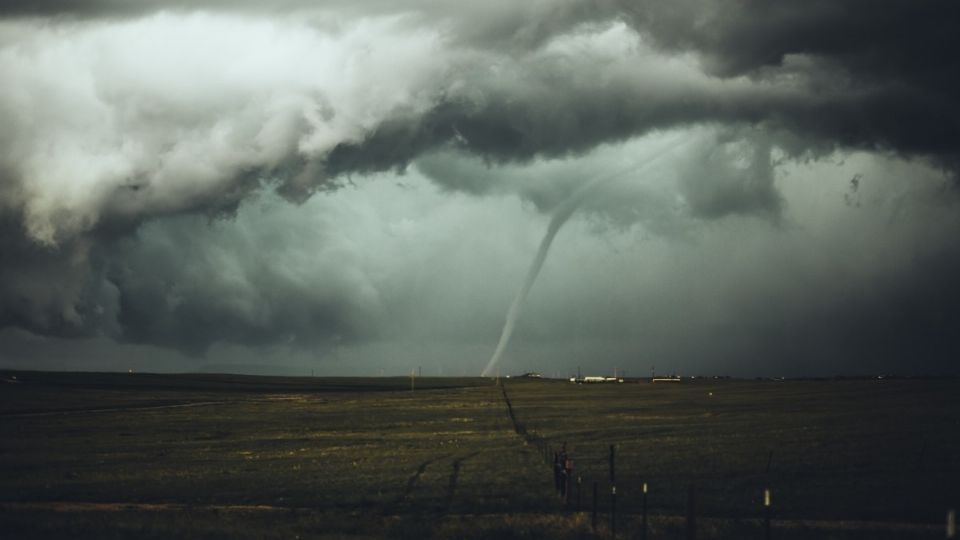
{"x":159,"y":456}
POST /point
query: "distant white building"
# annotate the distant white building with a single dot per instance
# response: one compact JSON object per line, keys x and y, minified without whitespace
{"x":594,"y":379}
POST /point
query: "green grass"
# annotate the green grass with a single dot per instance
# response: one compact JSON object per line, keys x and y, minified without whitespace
{"x":367,"y":457}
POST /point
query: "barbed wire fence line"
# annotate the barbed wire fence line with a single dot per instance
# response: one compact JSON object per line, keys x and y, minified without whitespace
{"x":588,"y":491}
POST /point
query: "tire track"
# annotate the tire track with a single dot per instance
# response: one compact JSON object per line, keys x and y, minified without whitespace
{"x":125,"y":408}
{"x":118,"y":409}
{"x":415,"y":477}
{"x":454,"y":479}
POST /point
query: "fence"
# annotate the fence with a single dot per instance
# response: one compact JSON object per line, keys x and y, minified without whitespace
{"x":601,"y":497}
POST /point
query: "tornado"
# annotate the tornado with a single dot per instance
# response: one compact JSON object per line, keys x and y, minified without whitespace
{"x":560,"y":216}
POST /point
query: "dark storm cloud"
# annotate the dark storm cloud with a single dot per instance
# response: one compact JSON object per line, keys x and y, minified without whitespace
{"x":719,"y":172}
{"x":58,"y":290}
{"x":126,"y":113}
{"x":818,"y":76}
{"x":878,"y":40}
{"x":187,"y":286}
{"x":887,"y":63}
{"x":539,"y":117}
{"x":734,"y":175}
{"x":871,"y":74}
{"x":579,"y":86}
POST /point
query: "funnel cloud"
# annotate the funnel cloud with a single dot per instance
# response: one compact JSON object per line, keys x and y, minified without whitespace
{"x":560,"y":216}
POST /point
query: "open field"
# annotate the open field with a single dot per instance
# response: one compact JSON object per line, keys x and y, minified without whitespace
{"x":864,"y":450}
{"x":155,"y":456}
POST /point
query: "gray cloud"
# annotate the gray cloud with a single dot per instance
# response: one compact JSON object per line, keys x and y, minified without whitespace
{"x":131,"y":124}
{"x":734,"y":175}
{"x":187,"y":286}
{"x":400,"y":271}
{"x":181,"y":137}
{"x":324,"y":274}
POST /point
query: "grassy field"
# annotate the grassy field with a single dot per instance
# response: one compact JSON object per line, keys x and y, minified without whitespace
{"x":856,"y":450}
{"x":215,"y":456}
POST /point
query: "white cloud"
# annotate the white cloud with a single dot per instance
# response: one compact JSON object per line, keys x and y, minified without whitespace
{"x":180,"y":106}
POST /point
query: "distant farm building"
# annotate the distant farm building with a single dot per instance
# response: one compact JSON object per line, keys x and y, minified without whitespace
{"x":592,"y":379}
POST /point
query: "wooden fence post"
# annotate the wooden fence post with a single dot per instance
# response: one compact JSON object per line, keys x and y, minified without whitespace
{"x":643,"y":520}
{"x":692,"y":513}
{"x":766,"y":512}
{"x":579,"y":491}
{"x":613,"y":493}
{"x":593,"y":519}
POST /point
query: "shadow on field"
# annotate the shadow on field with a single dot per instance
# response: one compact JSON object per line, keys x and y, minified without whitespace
{"x":96,"y":521}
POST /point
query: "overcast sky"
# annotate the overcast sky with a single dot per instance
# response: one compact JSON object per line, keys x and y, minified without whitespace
{"x":758,"y":188}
